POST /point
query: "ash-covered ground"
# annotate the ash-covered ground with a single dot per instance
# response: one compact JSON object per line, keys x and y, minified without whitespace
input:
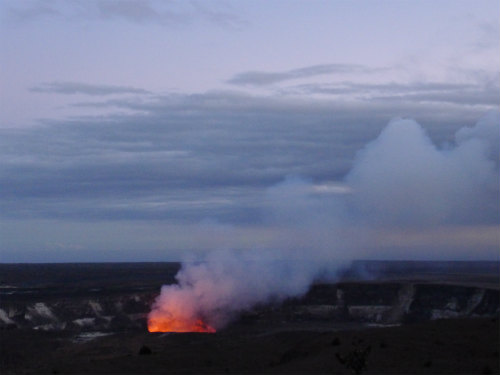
{"x":380,"y":317}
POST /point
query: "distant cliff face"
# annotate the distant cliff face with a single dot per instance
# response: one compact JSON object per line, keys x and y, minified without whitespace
{"x":95,"y":312}
{"x":366,"y":303}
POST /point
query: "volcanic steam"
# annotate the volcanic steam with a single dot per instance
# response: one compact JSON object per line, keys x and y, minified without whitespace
{"x":211,"y":293}
{"x":399,"y":183}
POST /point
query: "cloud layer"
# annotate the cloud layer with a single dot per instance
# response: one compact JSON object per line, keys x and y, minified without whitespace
{"x":182,"y":159}
{"x":85,"y":89}
{"x":139,"y":12}
{"x":268,"y":78}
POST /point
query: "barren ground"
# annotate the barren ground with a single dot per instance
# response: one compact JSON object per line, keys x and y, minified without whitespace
{"x":264,"y":341}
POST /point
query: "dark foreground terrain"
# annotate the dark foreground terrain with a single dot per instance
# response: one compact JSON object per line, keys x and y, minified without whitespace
{"x":455,"y":346}
{"x":379,"y":318}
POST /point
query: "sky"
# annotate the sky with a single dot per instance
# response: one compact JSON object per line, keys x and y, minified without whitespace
{"x":137,"y":130}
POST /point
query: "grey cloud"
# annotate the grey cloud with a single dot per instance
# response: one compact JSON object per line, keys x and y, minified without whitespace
{"x":229,"y":106}
{"x":482,"y":92}
{"x":200,"y":148}
{"x":140,"y":12}
{"x":71,"y":88}
{"x":347,"y":87}
{"x":257,"y":78}
{"x":417,"y":86}
{"x":223,"y":156}
{"x":165,"y":13}
{"x":488,"y":97}
{"x":486,"y":36}
{"x":137,"y":11}
{"x":221,"y":15}
{"x":40,"y":9}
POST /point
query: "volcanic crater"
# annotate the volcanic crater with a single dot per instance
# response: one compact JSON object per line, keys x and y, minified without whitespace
{"x":91,"y":318}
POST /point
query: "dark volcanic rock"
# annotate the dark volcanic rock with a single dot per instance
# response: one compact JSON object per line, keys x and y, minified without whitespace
{"x":99,"y":326}
{"x":145,"y":350}
{"x":118,"y":305}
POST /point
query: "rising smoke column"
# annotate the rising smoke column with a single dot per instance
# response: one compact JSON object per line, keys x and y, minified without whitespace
{"x":225,"y":283}
{"x":399,"y":180}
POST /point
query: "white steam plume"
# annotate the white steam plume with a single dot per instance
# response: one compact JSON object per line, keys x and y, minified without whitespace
{"x":399,"y":181}
{"x":228,"y":282}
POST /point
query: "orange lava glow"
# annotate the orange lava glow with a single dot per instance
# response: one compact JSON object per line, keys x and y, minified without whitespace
{"x":178,"y":325}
